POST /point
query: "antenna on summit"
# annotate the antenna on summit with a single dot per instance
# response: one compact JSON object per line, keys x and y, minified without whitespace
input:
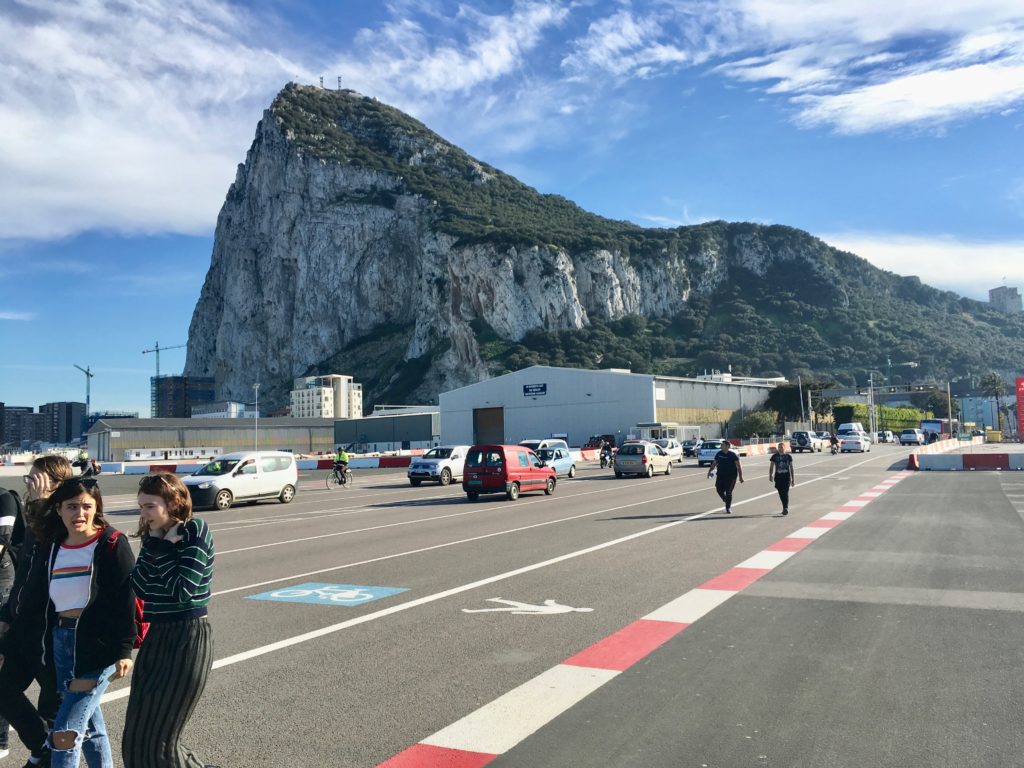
{"x":321,"y":81}
{"x":339,"y":82}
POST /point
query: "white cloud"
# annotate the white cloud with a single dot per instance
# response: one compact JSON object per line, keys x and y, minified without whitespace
{"x":856,"y":65}
{"x":125,"y":115}
{"x":929,"y":98}
{"x":965,"y":267}
{"x":4,"y":315}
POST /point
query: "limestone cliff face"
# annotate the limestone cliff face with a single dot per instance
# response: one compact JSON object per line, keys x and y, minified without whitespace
{"x":315,"y":253}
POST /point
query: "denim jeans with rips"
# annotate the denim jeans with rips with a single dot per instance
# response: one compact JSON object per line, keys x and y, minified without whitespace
{"x":80,"y":711}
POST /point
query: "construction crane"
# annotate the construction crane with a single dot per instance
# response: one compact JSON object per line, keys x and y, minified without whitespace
{"x":88,"y":386}
{"x":153,"y":388}
{"x":157,"y":348}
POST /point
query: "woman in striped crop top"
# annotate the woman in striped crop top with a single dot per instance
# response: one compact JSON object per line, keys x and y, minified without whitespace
{"x":172,"y":575}
{"x":89,"y":627}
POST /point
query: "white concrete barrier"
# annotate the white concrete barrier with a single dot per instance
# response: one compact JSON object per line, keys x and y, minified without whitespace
{"x":1017,"y":461}
{"x":944,"y":462}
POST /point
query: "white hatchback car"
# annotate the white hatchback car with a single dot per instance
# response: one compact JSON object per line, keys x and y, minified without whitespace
{"x":672,"y":447}
{"x":443,"y":464}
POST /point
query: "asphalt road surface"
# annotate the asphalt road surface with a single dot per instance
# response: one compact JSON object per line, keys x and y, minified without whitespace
{"x":893,"y":639}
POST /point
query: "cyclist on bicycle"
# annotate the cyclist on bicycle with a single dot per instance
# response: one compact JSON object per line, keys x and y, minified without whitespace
{"x":340,"y":461}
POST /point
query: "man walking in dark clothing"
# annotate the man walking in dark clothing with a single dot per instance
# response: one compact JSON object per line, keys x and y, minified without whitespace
{"x":727,"y":463}
{"x":780,"y":472}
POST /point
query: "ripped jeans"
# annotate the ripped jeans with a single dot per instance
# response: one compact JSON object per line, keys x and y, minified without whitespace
{"x":80,"y":712}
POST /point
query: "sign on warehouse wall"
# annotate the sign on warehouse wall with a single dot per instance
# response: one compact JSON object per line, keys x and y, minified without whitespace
{"x":533,"y":390}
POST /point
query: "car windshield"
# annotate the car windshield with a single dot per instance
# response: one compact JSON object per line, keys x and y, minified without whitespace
{"x":632,"y":449}
{"x":218,"y":467}
{"x":711,"y":445}
{"x":438,"y":453}
{"x":663,"y":442}
{"x":533,"y":445}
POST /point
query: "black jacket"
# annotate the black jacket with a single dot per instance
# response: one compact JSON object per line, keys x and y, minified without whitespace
{"x":106,"y":628}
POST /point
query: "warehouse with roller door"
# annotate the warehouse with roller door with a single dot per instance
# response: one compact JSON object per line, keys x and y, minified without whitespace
{"x":543,"y":401}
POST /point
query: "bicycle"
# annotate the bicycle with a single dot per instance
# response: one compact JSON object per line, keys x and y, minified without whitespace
{"x":338,"y":480}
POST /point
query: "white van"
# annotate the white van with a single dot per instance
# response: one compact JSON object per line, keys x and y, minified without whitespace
{"x":244,"y":476}
{"x":851,"y":426}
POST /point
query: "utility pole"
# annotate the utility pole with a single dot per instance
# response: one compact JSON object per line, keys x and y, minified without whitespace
{"x":88,"y":387}
{"x":256,"y":430}
{"x":153,"y":386}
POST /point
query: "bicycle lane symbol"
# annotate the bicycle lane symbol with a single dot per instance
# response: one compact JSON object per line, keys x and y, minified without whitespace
{"x":319,"y":593}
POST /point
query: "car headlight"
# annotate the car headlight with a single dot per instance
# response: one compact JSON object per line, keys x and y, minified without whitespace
{"x":203,"y":486}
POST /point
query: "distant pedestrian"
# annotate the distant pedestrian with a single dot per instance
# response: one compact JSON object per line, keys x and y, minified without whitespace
{"x":727,"y":465}
{"x":172,"y":575}
{"x":780,"y":472}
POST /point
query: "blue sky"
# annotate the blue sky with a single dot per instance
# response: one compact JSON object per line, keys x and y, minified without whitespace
{"x":893,"y":129}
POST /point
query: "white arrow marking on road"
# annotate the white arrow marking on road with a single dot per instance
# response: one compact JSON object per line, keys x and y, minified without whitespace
{"x":514,"y":606}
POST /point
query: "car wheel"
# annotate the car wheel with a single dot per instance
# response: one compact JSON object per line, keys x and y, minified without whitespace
{"x":287,"y":494}
{"x":549,"y":488}
{"x":650,"y":470}
{"x":472,"y":495}
{"x":414,"y":482}
{"x":618,"y":474}
{"x":446,"y":476}
{"x":572,"y":471}
{"x":223,"y":499}
{"x":668,"y":468}
{"x":513,"y":492}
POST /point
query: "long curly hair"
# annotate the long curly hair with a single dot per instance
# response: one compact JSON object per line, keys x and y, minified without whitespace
{"x":168,"y":487}
{"x":51,"y":528}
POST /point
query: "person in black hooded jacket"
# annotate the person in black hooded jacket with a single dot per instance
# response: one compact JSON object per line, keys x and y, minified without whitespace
{"x":21,"y":661}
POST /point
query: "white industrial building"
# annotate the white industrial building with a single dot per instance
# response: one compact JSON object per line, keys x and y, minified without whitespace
{"x":541,"y":401}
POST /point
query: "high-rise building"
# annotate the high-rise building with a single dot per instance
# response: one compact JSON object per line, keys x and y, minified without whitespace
{"x":326,"y":397}
{"x":64,"y":422}
{"x":23,"y":425}
{"x":1006,"y":299}
{"x":172,"y":397}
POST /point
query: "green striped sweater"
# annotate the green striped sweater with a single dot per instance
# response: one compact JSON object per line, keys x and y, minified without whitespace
{"x":174,"y":579}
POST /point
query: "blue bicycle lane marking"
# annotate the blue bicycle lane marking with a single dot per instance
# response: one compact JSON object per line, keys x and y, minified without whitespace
{"x":319,"y":593}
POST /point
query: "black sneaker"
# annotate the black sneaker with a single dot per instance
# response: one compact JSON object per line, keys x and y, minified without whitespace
{"x":785,"y":512}
{"x":728,"y":510}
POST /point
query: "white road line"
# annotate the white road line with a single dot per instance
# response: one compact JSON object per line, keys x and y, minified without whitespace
{"x":766,"y":559}
{"x":809,"y":533}
{"x":501,"y":724}
{"x":691,"y":606}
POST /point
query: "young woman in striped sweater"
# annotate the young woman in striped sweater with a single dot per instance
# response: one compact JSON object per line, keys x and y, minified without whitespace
{"x":172,"y":575}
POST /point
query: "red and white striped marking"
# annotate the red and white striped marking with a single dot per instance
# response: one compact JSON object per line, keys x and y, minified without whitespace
{"x":495,"y":728}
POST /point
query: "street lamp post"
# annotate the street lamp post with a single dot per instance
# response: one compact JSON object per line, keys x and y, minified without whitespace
{"x":256,"y":428}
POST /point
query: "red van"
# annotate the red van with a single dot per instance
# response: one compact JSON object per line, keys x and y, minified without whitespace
{"x":508,"y":469}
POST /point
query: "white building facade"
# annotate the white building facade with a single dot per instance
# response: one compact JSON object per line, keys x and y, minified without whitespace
{"x":543,"y":401}
{"x":326,"y":397}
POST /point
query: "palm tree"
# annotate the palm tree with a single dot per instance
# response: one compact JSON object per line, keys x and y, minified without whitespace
{"x":992,"y":385}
